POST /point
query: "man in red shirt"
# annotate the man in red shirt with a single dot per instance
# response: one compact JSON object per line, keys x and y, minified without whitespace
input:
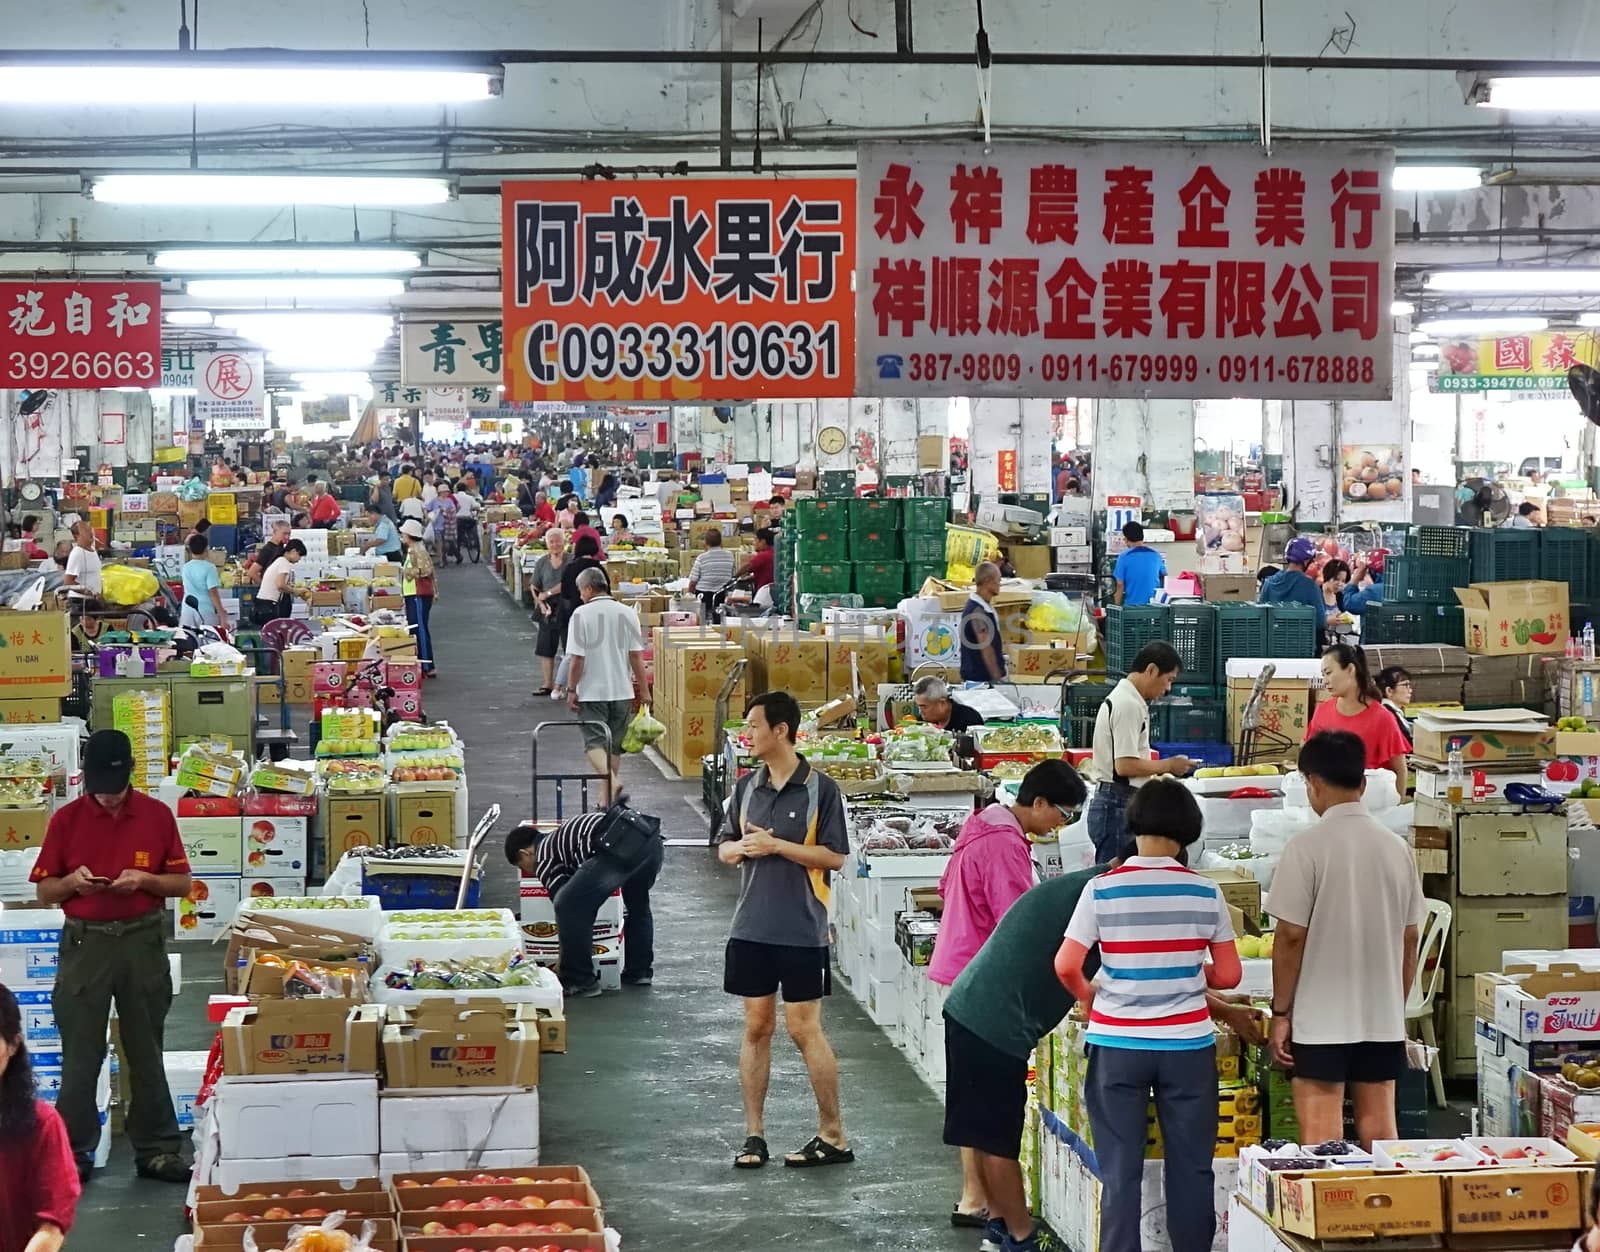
{"x":110,"y":859}
{"x":760,"y":566}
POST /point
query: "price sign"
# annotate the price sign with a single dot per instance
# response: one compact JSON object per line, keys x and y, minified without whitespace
{"x":80,"y":336}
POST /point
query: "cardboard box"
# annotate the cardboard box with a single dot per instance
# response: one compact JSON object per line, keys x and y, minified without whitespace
{"x":1515,"y":618}
{"x":315,"y":1115}
{"x":1222,"y":587}
{"x":1029,"y":560}
{"x":1558,"y":1005}
{"x":23,"y":828}
{"x":353,"y":822}
{"x":1239,"y":890}
{"x":276,"y":847}
{"x":1485,"y":736}
{"x":302,"y":1037}
{"x":426,"y":816}
{"x":214,"y":845}
{"x":362,"y":1203}
{"x":454,"y":1121}
{"x":577,"y":1241}
{"x":30,"y":711}
{"x":1516,"y":1199}
{"x":36,"y":659}
{"x":450,"y":1045}
{"x":207,"y":911}
{"x":1360,"y":1204}
{"x":1285,"y":713}
{"x":236,"y":1174}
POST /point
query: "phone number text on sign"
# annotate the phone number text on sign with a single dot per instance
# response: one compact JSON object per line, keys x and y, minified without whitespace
{"x":1133,"y":270}
{"x":80,"y":335}
{"x":679,"y":290}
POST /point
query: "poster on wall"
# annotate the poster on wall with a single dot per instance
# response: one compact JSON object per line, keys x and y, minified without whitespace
{"x":1529,"y":362}
{"x":1371,"y":473}
{"x":666,"y":289}
{"x":1219,"y":532}
{"x":1153,"y":270}
{"x":80,"y":335}
{"x":329,"y":410}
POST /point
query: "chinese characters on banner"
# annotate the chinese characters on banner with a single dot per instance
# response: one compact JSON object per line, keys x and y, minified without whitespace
{"x":725,"y":289}
{"x":1006,"y":469}
{"x":1534,"y":362}
{"x":231,"y":390}
{"x":1124,"y":270}
{"x":455,"y":353}
{"x":80,"y":336}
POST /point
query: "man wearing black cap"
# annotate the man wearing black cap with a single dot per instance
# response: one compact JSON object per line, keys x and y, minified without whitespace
{"x":110,"y":859}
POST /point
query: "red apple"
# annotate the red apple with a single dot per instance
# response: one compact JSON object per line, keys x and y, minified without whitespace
{"x":408,"y":1182}
{"x":467,"y":1228}
{"x":525,"y":1228}
{"x":297,"y":1194}
{"x":446,"y":1182}
{"x":496,"y":1228}
{"x":455,"y":1204}
{"x":277,"y":1215}
{"x":237,"y":1217}
{"x":564,"y":1204}
{"x":533,"y":1202}
{"x":522,"y":1180}
{"x":318,"y":1214}
{"x":482,"y":1180}
{"x":560,"y":1228}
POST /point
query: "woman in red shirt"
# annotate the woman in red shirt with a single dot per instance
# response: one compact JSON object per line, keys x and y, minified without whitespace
{"x":39,"y":1186}
{"x":1356,"y":706}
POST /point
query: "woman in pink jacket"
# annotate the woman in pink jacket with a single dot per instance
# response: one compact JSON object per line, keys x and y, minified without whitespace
{"x":991,"y":866}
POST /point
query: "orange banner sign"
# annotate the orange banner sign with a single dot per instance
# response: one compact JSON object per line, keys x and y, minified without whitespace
{"x":716,"y":289}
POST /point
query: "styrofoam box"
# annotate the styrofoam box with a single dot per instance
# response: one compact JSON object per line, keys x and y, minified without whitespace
{"x":538,"y":909}
{"x":39,"y":1029}
{"x":1586,"y":959}
{"x":185,"y":1072}
{"x":1308,"y":668}
{"x":306,"y":1115}
{"x":364,"y":923}
{"x":505,"y":1119}
{"x":29,"y":942}
{"x":233,"y":1175}
{"x":392,"y":1163}
{"x":59,"y":742}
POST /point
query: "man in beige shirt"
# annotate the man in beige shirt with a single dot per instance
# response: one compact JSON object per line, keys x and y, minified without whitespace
{"x":1349,"y":909}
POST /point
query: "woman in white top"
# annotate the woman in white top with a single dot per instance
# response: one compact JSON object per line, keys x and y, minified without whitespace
{"x":275,"y":595}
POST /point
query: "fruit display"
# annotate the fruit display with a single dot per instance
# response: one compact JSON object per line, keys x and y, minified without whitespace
{"x":1588,"y":789}
{"x":1426,"y":1154}
{"x":1022,"y":737}
{"x":837,"y":748}
{"x":1582,"y":1070}
{"x":408,"y":852}
{"x":466,"y":975}
{"x":350,"y":723}
{"x":1572,"y":723}
{"x":348,"y":747}
{"x":1255,"y":947}
{"x":431,"y":766}
{"x":1235,"y":852}
{"x":427,"y":934}
{"x":21,"y":792}
{"x":1237,"y":771}
{"x":349,"y":774}
{"x":331,"y":903}
{"x":917,"y":743}
{"x":910,"y":832}
{"x":447,"y":917}
{"x":1009,"y":771}
{"x":416,"y":738}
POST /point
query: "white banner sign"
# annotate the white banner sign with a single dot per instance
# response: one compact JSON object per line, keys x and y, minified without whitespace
{"x":230,"y":390}
{"x":455,"y":353}
{"x":177,"y":366}
{"x":1157,"y":270}
{"x":445,"y":404}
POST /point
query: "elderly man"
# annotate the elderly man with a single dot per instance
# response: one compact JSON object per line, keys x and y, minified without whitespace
{"x":936,"y":708}
{"x":606,"y":676}
{"x":268,"y":552}
{"x":83,"y":566}
{"x":983,"y":659}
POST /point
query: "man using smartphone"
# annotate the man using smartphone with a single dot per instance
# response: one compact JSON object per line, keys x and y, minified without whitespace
{"x":110,"y":859}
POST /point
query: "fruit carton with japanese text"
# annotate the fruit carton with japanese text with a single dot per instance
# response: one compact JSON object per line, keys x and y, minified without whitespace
{"x":447,"y":1045}
{"x":302,"y":1037}
{"x":1516,"y":1199}
{"x":1360,"y":1204}
{"x":436,"y":1190}
{"x":1560,"y":1004}
{"x":1515,"y":618}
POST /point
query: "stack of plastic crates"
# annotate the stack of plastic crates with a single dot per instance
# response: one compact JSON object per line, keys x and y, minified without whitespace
{"x":1079,"y":705}
{"x":1194,"y":635}
{"x":1241,"y":631}
{"x":1500,"y":556}
{"x":1129,"y":628}
{"x":1564,"y":558}
{"x":1429,"y":579}
{"x":1413,"y":621}
{"x":1450,"y":542}
{"x":1192,"y":721}
{"x":880,"y":574}
{"x":1293,"y":630}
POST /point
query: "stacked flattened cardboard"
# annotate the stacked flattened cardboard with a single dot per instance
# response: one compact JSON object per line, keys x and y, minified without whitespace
{"x":1438,"y":672}
{"x":1506,"y":681}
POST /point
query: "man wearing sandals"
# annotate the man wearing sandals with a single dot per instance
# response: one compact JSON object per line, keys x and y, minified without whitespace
{"x":786,"y":830}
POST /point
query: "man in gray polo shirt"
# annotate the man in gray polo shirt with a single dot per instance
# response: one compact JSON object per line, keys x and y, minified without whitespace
{"x":786,"y":831}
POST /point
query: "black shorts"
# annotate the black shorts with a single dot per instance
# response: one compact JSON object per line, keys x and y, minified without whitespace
{"x":754,"y":970}
{"x":549,"y":641}
{"x":1349,"y":1062}
{"x":985,"y":1094}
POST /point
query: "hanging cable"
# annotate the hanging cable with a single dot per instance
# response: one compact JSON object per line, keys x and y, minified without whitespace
{"x":183,"y":25}
{"x":985,"y":70}
{"x":760,"y":74}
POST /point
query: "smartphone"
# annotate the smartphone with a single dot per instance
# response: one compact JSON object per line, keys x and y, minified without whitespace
{"x":99,"y":881}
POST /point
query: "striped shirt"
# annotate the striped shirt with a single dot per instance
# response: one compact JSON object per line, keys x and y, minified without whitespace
{"x":1153,"y":920}
{"x":564,"y":849}
{"x":712,"y":570}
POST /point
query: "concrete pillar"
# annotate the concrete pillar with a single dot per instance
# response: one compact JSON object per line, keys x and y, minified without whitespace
{"x":1144,"y":448}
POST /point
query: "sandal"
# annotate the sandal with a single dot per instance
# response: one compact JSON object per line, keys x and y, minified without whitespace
{"x":541,"y":691}
{"x":819,"y":1152}
{"x":755,"y":1146}
{"x":978,"y":1219}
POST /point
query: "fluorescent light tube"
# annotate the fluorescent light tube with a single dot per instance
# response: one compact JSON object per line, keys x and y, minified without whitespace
{"x":295,"y":288}
{"x":287,"y":85}
{"x":1589,"y":319}
{"x":1507,"y":325}
{"x":1562,"y":93}
{"x":1402,"y":308}
{"x":1516,"y":282}
{"x":189,"y":317}
{"x":257,"y":190}
{"x":1436,"y":177}
{"x":290,"y":260}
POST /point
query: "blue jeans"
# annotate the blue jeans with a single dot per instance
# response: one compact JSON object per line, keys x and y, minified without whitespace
{"x":1108,"y":820}
{"x":417,"y":610}
{"x":1120,"y":1084}
{"x":580,"y":898}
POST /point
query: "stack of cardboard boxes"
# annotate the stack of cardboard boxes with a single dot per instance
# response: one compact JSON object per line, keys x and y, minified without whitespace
{"x":35,"y":666}
{"x":541,"y":939}
{"x":691,"y":666}
{"x":146,"y":718}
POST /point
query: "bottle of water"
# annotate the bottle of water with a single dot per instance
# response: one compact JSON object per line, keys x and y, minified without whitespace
{"x":1455,"y":784}
{"x":1588,"y":641}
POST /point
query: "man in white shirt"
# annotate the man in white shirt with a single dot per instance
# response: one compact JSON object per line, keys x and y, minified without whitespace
{"x":1122,"y":746}
{"x":82,"y":579}
{"x":605,"y":675}
{"x":1349,"y":909}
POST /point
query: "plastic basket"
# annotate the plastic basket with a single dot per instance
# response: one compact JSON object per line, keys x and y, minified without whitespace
{"x":1445,"y":541}
{"x":1129,"y":628}
{"x":925,"y":513}
{"x":830,"y":546}
{"x":924,"y":547}
{"x":418,"y":891}
{"x":1445,"y":623}
{"x":1395,"y":621}
{"x":813,"y":516}
{"x":1079,"y":709}
{"x":880,"y":584}
{"x":824,"y":578}
{"x":1430,"y":578}
{"x":1194,"y":635}
{"x":878,"y":513}
{"x":1241,"y":631}
{"x":918,"y":572}
{"x":1293,"y":630}
{"x":1188,"y":721}
{"x":1504,"y":555}
{"x":875,"y":544}
{"x":1564,"y":558}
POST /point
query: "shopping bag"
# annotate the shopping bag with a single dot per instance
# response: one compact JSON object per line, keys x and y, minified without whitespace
{"x":642,"y":731}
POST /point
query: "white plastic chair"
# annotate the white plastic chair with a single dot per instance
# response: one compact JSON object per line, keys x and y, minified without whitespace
{"x":1425,"y":985}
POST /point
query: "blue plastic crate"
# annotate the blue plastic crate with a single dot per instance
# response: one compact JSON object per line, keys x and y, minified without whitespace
{"x":1204,"y":754}
{"x":418,"y":891}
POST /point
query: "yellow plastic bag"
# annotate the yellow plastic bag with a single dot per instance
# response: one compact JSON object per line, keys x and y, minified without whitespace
{"x":642,"y":731}
{"x":124,"y":584}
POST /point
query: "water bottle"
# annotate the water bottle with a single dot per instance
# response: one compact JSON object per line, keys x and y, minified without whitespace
{"x":1455,"y":777}
{"x":1588,"y":641}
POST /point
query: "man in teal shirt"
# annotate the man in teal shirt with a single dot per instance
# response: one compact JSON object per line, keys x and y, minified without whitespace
{"x":385,"y":536}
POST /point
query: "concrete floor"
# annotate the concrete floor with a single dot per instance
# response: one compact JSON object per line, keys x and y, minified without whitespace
{"x":647,"y":1096}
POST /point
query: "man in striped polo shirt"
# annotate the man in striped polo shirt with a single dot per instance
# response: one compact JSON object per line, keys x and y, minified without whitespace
{"x":711,"y":574}
{"x":1149,"y":1027}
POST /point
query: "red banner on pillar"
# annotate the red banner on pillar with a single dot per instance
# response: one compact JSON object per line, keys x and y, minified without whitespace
{"x":80,"y":335}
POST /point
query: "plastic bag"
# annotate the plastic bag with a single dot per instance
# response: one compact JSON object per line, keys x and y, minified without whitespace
{"x":123,"y":584}
{"x":642,"y":731}
{"x":194,"y":489}
{"x":1381,"y":794}
{"x":1056,"y":613}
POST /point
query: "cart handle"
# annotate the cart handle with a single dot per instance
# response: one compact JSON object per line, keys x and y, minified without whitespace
{"x":484,"y":826}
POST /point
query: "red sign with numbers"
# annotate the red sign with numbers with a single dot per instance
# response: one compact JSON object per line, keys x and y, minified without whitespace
{"x":80,"y":335}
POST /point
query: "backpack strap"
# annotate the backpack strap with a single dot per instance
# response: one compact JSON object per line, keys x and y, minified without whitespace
{"x":818,"y":877}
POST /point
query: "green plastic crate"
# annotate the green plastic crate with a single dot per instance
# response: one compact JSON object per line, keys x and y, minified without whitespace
{"x":1196,"y":691}
{"x":924,"y":546}
{"x":824,"y":578}
{"x":1445,"y":623}
{"x":1079,"y":709}
{"x":1194,"y":635}
{"x":876,"y":544}
{"x":1446,"y":541}
{"x":1564,"y":558}
{"x":1427,"y":578}
{"x":880,"y":584}
{"x":926,"y":513}
{"x":1293,"y":630}
{"x":1129,"y":628}
{"x":875,"y":513}
{"x":1241,"y":631}
{"x":1504,"y":555}
{"x":1395,"y":621}
{"x":1185,"y":720}
{"x":813,"y":515}
{"x":918,"y":572}
{"x":830,"y":546}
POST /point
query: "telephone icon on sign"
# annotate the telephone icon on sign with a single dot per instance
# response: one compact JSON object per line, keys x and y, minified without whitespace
{"x":889,"y":365}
